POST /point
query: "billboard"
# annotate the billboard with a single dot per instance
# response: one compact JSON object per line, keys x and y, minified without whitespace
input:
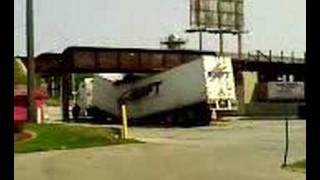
{"x":217,"y":14}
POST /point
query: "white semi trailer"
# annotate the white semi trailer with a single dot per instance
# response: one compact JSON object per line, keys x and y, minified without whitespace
{"x":187,"y":94}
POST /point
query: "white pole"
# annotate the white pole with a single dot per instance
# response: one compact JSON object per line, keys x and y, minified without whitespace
{"x":124,"y":122}
{"x":39,"y":115}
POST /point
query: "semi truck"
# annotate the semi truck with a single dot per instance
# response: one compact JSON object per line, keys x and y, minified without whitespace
{"x":190,"y":94}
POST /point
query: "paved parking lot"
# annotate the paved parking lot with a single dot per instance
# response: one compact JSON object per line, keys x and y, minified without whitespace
{"x":245,"y":150}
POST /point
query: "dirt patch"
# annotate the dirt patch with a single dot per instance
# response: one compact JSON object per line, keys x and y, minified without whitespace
{"x":24,"y":136}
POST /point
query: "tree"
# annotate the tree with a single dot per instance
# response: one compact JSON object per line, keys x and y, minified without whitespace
{"x":20,"y":73}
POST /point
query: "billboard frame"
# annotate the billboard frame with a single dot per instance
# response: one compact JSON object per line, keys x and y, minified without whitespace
{"x":236,"y":30}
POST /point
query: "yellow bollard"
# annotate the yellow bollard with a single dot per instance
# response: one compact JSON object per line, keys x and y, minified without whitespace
{"x":124,"y":132}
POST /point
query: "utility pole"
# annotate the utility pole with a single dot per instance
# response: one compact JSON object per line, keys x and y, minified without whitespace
{"x":31,"y":65}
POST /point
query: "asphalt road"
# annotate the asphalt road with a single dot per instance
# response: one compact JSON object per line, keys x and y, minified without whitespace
{"x":245,"y":150}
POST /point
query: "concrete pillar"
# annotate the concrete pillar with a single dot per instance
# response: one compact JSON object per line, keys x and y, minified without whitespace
{"x":66,"y":90}
{"x":250,"y":82}
{"x":240,"y":93}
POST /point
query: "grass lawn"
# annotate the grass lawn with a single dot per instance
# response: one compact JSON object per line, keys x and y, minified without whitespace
{"x":59,"y":136}
{"x":298,"y":166}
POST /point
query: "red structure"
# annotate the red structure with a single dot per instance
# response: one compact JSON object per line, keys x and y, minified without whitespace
{"x":21,"y":104}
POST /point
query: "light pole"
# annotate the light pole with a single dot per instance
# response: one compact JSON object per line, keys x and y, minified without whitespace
{"x":31,"y":64}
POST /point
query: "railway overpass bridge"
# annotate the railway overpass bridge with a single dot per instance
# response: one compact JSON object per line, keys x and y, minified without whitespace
{"x":267,"y":67}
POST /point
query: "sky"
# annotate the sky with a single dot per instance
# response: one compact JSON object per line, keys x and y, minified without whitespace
{"x":271,"y":24}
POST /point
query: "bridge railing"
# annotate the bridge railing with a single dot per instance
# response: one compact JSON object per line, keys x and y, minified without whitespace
{"x":269,"y":57}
